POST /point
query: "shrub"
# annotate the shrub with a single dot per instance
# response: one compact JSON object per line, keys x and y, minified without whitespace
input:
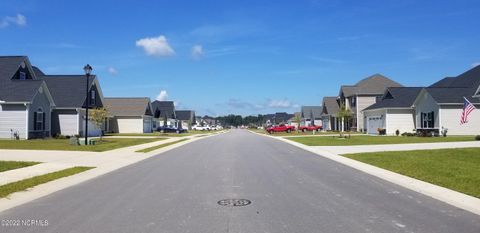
{"x":406,"y":134}
{"x":397,"y":132}
{"x":477,"y":137}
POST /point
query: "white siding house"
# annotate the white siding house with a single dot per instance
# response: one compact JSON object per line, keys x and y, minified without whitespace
{"x":129,"y":115}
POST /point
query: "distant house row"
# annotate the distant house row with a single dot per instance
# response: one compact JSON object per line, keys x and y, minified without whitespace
{"x":379,"y":103}
{"x":36,"y":105}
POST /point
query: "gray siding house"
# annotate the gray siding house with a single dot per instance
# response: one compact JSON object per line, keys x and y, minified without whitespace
{"x":164,"y":113}
{"x":129,"y":115}
{"x":360,"y":96}
{"x":68,"y":92}
{"x":25,"y":100}
{"x":329,"y":112}
{"x":311,"y":115}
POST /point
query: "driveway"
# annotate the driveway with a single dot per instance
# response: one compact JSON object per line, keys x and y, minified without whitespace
{"x":291,"y":190}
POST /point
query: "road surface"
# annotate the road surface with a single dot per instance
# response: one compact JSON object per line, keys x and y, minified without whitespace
{"x":290,"y":190}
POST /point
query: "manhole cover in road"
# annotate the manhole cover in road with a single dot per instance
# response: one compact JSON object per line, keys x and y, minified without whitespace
{"x":234,"y":202}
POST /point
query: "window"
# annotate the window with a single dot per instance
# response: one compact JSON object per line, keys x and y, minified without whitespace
{"x":22,"y":75}
{"x":427,"y":120}
{"x":39,"y":120}
{"x":92,"y":97}
{"x":354,"y":102}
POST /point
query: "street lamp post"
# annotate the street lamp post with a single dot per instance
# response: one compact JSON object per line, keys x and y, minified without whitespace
{"x":88,"y":71}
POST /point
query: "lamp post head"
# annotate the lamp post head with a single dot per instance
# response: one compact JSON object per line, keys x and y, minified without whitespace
{"x":88,"y":69}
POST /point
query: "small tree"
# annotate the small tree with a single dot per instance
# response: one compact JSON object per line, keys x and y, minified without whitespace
{"x":297,"y":119}
{"x":345,"y":115}
{"x":98,"y":117}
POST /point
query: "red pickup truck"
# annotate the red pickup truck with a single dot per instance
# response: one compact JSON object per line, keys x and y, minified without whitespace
{"x":310,"y":128}
{"x":281,"y":128}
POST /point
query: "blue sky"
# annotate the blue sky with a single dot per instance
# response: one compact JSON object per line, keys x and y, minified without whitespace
{"x":243,"y":57}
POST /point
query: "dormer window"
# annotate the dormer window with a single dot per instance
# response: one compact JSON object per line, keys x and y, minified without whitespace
{"x":93,"y":96}
{"x":22,"y":75}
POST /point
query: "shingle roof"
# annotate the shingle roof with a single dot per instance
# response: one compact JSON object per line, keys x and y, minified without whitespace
{"x":309,"y":111}
{"x":372,"y":85}
{"x":68,"y":91}
{"x":135,"y":106}
{"x":15,"y":90}
{"x":163,"y":109}
{"x":451,"y":95}
{"x":330,"y":105}
{"x":397,"y":97}
{"x":185,"y":115}
{"x":37,"y":71}
{"x":470,"y":78}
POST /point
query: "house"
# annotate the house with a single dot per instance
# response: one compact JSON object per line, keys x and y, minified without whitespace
{"x":129,"y":115}
{"x":440,"y":105}
{"x":361,"y":95}
{"x":186,"y":118}
{"x":329,"y":112}
{"x":164,"y":113}
{"x":281,"y":117}
{"x":69,"y":94}
{"x":393,"y":112}
{"x":311,"y":115}
{"x":25,"y":100}
{"x":293,"y":120}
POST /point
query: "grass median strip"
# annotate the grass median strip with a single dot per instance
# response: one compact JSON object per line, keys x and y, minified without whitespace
{"x":64,"y":144}
{"x":21,"y":185}
{"x":374,"y":140}
{"x":10,"y":165}
{"x":160,"y":146}
{"x":456,"y":169}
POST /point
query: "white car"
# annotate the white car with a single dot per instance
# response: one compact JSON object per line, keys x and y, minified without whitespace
{"x":201,"y":128}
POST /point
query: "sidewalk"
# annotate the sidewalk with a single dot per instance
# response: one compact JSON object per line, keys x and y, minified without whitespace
{"x":395,"y":147}
{"x":104,"y":162}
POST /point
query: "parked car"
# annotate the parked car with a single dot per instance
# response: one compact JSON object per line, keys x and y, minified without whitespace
{"x":310,"y":128}
{"x":280,"y":128}
{"x":201,"y":128}
{"x":169,"y":129}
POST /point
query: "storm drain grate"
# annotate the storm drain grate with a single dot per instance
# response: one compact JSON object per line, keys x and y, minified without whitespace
{"x":234,"y":202}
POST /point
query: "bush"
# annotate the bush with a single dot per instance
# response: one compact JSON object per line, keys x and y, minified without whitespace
{"x":477,"y":137}
{"x":397,"y":132}
{"x":406,"y":134}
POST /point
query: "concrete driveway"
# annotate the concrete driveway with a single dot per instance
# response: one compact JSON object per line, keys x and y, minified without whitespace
{"x":291,"y":190}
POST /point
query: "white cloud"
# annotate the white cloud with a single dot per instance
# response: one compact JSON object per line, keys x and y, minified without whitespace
{"x":475,"y":64}
{"x":156,"y":46}
{"x":19,"y":20}
{"x":281,"y":104}
{"x":162,"y":96}
{"x":197,"y":52}
{"x":112,"y":71}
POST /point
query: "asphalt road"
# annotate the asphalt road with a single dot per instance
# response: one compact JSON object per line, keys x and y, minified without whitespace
{"x":291,"y":190}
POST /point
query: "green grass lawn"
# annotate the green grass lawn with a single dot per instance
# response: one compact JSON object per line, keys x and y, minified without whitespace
{"x":300,"y":133}
{"x":64,"y":144}
{"x":374,"y":140}
{"x":160,"y":146}
{"x":457,"y":169}
{"x":10,"y":165}
{"x":21,"y":185}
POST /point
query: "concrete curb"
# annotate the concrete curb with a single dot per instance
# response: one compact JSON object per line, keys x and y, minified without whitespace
{"x":448,"y":196}
{"x":19,"y":198}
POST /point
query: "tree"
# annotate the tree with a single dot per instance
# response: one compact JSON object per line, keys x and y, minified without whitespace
{"x":344,"y":114}
{"x":297,"y":119}
{"x":98,"y":117}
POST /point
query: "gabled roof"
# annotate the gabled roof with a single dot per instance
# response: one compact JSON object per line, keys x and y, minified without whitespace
{"x":185,"y":115}
{"x":133,"y":106}
{"x":311,"y":111}
{"x":163,"y":109}
{"x":16,"y":90}
{"x":68,"y":91}
{"x":397,"y":97}
{"x":372,"y":85}
{"x":451,"y":95}
{"x":470,"y":78}
{"x":330,"y":105}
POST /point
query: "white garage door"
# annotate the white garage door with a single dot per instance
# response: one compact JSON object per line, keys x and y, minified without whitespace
{"x":147,"y":125}
{"x":373,"y":124}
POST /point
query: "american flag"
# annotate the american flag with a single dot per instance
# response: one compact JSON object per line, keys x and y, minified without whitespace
{"x":467,"y":109}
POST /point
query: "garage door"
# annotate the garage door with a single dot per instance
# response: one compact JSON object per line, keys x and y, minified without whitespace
{"x":373,"y":124}
{"x":147,"y":125}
